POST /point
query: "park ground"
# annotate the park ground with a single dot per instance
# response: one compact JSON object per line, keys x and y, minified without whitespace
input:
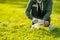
{"x":14,"y":24}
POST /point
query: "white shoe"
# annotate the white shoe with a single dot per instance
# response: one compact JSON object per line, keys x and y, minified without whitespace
{"x":51,"y":27}
{"x":37,"y":25}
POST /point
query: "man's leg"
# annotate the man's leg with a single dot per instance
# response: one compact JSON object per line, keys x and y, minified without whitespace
{"x":34,"y":11}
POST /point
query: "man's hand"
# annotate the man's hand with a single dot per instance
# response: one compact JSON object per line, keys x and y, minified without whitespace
{"x":46,"y":23}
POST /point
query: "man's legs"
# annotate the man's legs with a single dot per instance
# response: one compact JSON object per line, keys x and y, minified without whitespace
{"x":34,"y":11}
{"x":40,"y":15}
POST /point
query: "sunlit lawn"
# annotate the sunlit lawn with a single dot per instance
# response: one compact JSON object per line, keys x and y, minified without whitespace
{"x":14,"y":24}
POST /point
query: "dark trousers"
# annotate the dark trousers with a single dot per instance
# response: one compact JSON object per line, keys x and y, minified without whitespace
{"x":39,"y":14}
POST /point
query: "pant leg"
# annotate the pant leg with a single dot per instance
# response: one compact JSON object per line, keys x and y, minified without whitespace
{"x":34,"y":12}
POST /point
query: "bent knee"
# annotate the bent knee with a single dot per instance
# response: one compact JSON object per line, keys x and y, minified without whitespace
{"x":35,"y":5}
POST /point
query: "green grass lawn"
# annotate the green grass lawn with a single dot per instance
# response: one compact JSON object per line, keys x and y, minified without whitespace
{"x":14,"y":24}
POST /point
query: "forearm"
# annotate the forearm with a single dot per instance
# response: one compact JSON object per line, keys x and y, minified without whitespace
{"x":49,"y":10}
{"x":28,"y":9}
{"x":29,"y":15}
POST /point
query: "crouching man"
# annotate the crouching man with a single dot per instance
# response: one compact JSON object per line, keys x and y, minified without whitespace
{"x":39,"y":9}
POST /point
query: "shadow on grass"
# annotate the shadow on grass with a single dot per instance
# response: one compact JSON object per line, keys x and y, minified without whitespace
{"x":46,"y":32}
{"x":56,"y":32}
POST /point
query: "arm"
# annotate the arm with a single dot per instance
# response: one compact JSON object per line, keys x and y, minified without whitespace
{"x":29,"y":9}
{"x":48,"y":10}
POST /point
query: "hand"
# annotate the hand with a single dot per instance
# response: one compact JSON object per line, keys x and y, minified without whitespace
{"x":46,"y":23}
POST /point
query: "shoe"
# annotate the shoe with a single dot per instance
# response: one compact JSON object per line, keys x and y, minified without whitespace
{"x":37,"y":25}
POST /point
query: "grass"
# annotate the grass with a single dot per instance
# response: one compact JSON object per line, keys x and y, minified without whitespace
{"x":14,"y":24}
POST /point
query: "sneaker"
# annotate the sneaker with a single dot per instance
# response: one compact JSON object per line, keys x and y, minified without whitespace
{"x":35,"y":26}
{"x":51,"y":27}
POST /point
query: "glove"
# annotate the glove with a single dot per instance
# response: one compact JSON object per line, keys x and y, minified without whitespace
{"x":35,"y":26}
